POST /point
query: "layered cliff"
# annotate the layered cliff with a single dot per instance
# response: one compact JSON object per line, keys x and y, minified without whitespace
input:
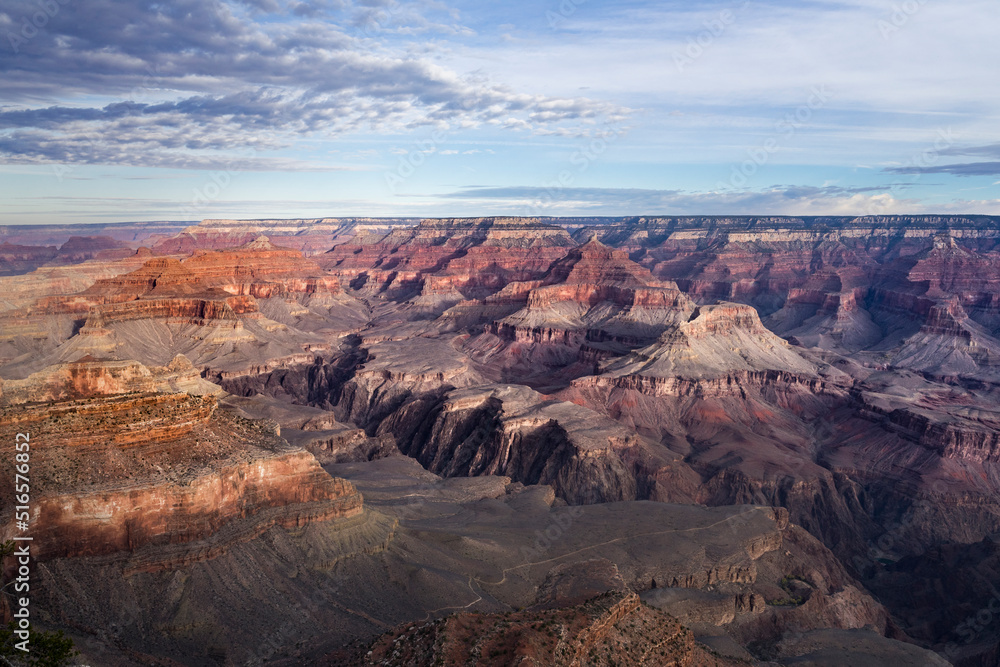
{"x":515,"y":432}
{"x":843,"y":284}
{"x":121,"y":462}
{"x":592,"y":304}
{"x":231,"y":310}
{"x":715,"y":342}
{"x":472,"y":256}
{"x":310,"y":236}
{"x":17,"y":258}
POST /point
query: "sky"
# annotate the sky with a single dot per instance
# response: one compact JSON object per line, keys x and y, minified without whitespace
{"x":190,"y":109}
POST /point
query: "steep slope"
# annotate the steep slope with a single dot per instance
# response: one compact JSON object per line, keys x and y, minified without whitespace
{"x":124,"y":462}
{"x":716,"y":340}
{"x":591,"y":304}
{"x":436,"y":258}
{"x":522,"y":552}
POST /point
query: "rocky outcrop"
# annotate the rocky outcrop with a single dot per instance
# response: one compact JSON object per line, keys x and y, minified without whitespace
{"x":17,"y":259}
{"x":595,"y":633}
{"x":512,"y":431}
{"x":88,"y":377}
{"x":592,"y":304}
{"x":121,"y":461}
{"x":257,"y":269}
{"x":286,"y":490}
{"x":474,"y":257}
{"x":716,"y":341}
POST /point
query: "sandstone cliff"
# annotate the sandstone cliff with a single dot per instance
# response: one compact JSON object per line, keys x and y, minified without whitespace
{"x":121,"y":461}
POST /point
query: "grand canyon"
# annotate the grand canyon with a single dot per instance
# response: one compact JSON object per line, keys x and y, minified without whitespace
{"x":509,"y":441}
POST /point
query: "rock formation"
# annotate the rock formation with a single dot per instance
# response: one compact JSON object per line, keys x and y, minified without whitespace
{"x":596,"y":633}
{"x":309,"y":236}
{"x":123,"y":460}
{"x":259,"y":296}
{"x":524,"y":403}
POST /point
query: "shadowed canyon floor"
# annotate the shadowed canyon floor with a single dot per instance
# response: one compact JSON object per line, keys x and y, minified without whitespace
{"x":690,"y":441}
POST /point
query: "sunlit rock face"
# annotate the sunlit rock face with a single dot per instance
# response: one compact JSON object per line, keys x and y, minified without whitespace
{"x":127,"y":458}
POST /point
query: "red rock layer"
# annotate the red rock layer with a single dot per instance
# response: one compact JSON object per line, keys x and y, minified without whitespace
{"x":634,"y":306}
{"x":209,"y":286}
{"x":117,"y":467}
{"x":260,"y":269}
{"x":16,"y":259}
{"x":474,"y":256}
{"x":88,"y":523}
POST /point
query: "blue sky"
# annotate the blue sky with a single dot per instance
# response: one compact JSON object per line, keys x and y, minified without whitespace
{"x":190,"y":109}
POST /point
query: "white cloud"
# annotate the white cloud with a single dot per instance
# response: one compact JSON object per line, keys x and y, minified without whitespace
{"x":228,"y":76}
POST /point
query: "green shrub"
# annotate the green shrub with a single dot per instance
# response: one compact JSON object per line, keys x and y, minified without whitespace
{"x":46,"y":649}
